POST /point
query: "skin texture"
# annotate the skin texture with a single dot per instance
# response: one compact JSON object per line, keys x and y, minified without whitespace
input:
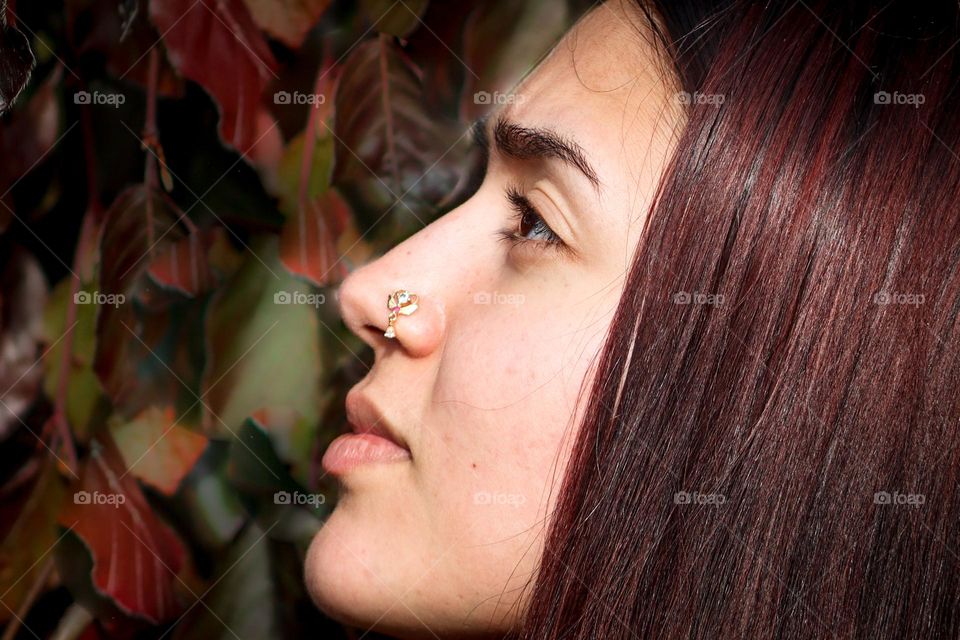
{"x":485,"y":393}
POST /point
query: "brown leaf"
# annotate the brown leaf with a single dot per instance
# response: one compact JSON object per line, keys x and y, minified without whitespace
{"x":26,"y":135}
{"x":389,"y":146}
{"x":130,"y":336}
{"x":16,"y":64}
{"x":123,"y":37}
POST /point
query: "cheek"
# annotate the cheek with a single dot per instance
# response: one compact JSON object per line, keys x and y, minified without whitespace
{"x":503,"y":425}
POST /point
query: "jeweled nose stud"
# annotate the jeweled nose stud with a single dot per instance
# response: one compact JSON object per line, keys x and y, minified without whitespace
{"x":400,"y":302}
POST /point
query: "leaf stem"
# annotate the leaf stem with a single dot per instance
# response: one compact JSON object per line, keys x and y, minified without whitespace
{"x":151,"y":140}
{"x":35,"y":590}
{"x":388,"y":111}
{"x":89,"y":230}
{"x":310,"y":135}
{"x":73,"y":623}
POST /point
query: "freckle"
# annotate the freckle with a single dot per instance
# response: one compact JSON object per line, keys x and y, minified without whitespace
{"x":474,"y":465}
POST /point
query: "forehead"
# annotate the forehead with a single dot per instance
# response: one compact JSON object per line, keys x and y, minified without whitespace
{"x":605,"y":85}
{"x":608,"y":54}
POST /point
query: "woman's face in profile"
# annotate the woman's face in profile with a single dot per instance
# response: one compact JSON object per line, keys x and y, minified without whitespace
{"x":517,"y":289}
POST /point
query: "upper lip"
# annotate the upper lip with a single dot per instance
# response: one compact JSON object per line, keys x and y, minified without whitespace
{"x":365,"y":417}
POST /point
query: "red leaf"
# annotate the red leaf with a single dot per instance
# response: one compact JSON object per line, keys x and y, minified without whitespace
{"x":183,"y":265}
{"x":144,"y":334}
{"x":388,"y":145}
{"x":308,"y":240}
{"x":136,"y":557}
{"x":98,"y":25}
{"x":216,"y":44}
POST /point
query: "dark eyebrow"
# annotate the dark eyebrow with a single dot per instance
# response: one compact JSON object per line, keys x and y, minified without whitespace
{"x":526,"y":143}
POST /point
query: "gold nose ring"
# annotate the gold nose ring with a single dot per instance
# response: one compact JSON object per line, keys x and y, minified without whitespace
{"x":400,"y":302}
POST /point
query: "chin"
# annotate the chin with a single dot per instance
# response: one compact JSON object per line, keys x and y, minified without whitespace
{"x":334,"y":579}
{"x":345,"y":582}
{"x":344,"y":585}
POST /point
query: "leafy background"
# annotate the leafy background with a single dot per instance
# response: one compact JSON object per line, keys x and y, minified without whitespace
{"x":169,"y":168}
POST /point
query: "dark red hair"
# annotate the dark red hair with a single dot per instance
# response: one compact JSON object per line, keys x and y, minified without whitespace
{"x":770,"y":447}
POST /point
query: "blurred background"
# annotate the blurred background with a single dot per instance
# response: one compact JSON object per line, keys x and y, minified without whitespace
{"x":183,"y":184}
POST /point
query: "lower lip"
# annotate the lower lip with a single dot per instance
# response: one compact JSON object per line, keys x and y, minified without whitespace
{"x":352,"y":450}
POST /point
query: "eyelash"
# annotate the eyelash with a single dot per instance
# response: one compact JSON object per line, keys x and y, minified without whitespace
{"x":524,"y":210}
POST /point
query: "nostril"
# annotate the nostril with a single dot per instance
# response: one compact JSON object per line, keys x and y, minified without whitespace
{"x":375,"y":332}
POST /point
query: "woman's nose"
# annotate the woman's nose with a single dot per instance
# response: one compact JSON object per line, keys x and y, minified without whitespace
{"x":363,"y":298}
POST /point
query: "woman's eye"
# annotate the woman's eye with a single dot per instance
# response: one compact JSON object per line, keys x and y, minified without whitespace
{"x":529,"y":225}
{"x":532,"y":227}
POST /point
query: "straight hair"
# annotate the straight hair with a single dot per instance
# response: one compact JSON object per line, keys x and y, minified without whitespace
{"x":769,"y":447}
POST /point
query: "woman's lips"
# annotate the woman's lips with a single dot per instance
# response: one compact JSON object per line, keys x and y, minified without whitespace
{"x":352,"y":450}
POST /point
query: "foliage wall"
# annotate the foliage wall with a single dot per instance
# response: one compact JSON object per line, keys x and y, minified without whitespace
{"x":183,"y":183}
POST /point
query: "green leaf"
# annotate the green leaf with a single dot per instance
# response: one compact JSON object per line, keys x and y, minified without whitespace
{"x":393,"y":17}
{"x":157,"y":449}
{"x":244,"y":601}
{"x":83,"y":387}
{"x":207,"y":504}
{"x":292,"y":437}
{"x":289,"y":171}
{"x":278,"y":501}
{"x":287,"y":20}
{"x":30,"y":538}
{"x":263,"y":344}
{"x":253,"y":465}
